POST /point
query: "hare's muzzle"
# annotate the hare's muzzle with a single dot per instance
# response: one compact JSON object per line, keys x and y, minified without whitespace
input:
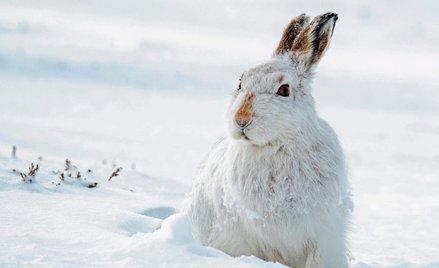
{"x":244,"y":114}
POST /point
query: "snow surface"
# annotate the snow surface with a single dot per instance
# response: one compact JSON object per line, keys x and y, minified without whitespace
{"x":143,"y":86}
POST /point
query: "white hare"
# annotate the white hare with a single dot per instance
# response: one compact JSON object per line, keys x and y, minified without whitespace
{"x":275,"y":187}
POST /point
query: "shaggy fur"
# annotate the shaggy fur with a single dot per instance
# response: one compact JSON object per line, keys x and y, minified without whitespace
{"x":275,"y":187}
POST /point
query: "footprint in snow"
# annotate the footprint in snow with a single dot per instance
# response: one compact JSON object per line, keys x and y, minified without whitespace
{"x":149,"y":224}
{"x":159,"y":212}
{"x":140,"y":224}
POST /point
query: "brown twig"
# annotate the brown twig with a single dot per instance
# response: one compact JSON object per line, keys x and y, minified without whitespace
{"x":115,"y":173}
{"x":68,"y":165}
{"x":33,"y":170}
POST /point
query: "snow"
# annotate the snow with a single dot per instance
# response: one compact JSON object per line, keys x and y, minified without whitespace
{"x":143,"y":86}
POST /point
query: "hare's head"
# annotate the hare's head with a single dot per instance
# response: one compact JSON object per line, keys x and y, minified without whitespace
{"x":273,"y":102}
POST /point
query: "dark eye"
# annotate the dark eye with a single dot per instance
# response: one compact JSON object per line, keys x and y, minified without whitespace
{"x":239,"y":87}
{"x":284,"y":91}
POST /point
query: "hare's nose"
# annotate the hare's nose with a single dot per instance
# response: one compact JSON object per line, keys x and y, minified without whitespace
{"x":242,"y":122}
{"x":244,"y":114}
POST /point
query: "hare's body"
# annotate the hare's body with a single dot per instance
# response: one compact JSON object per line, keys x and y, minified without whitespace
{"x":276,"y":186}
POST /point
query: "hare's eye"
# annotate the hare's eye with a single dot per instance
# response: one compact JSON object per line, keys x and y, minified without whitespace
{"x":239,"y":87}
{"x":284,"y":91}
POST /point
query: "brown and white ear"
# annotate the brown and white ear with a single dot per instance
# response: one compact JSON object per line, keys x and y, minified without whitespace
{"x":295,"y":26}
{"x":312,"y":42}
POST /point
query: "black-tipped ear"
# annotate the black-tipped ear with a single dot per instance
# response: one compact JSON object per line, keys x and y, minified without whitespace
{"x":312,"y":42}
{"x":295,"y":26}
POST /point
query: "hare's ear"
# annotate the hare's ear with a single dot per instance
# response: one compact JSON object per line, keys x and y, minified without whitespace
{"x":295,"y":26}
{"x":313,"y":41}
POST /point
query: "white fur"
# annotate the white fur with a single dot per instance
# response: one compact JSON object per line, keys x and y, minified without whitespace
{"x":282,"y":195}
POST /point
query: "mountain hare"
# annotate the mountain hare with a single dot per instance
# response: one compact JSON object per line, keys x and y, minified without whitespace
{"x":275,"y":187}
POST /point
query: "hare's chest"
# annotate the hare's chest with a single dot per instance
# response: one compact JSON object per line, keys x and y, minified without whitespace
{"x":265,"y":187}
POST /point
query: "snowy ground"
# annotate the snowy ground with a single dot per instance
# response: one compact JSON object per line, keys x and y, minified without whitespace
{"x":143,"y":86}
